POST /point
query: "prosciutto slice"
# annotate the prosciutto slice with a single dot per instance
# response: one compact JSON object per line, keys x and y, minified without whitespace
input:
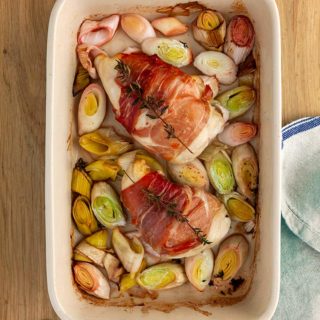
{"x":186,"y":98}
{"x":163,"y":232}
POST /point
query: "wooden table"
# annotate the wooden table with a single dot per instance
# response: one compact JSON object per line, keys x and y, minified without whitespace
{"x":23,"y":31}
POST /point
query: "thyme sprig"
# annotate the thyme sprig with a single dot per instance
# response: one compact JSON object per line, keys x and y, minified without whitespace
{"x":156,"y":107}
{"x":172,"y":211}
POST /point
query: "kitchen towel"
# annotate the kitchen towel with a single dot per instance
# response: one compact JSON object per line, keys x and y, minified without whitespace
{"x":300,"y":230}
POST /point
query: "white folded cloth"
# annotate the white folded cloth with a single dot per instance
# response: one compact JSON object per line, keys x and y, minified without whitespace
{"x":300,"y":258}
{"x":301,"y":179}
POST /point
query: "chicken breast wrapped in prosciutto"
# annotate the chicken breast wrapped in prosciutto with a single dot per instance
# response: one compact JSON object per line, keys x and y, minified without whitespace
{"x":172,"y":218}
{"x":177,"y":122}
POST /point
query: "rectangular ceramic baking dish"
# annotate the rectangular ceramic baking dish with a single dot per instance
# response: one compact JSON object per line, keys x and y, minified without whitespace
{"x":65,"y":19}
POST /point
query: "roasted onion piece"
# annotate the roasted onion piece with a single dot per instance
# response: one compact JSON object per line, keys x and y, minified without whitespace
{"x":77,"y":256}
{"x":94,"y":254}
{"x":113,"y":267}
{"x":129,"y":251}
{"x":127,"y":281}
{"x":99,"y":239}
{"x":102,"y":170}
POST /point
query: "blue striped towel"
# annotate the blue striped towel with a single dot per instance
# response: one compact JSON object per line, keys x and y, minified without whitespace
{"x":300,"y":230}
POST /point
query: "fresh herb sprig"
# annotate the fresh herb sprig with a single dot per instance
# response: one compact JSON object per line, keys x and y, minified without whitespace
{"x":156,"y":106}
{"x":172,"y":211}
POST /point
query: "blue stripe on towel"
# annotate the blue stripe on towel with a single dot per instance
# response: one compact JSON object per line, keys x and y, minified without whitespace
{"x":302,"y":127}
{"x":295,"y":123}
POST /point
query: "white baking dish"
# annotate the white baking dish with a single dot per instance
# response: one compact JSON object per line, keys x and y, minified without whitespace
{"x":64,"y":22}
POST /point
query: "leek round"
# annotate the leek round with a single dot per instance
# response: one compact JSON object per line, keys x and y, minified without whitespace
{"x":83,"y":216}
{"x":199,"y":269}
{"x":245,"y":168}
{"x":192,"y":174}
{"x":91,"y":280}
{"x":162,"y":276}
{"x":209,"y":29}
{"x":232,"y":254}
{"x":106,"y":205}
{"x":220,"y":171}
{"x":238,"y":133}
{"x":238,"y":100}
{"x":92,"y":109}
{"x":169,"y":50}
{"x":213,"y":63}
{"x":238,"y":208}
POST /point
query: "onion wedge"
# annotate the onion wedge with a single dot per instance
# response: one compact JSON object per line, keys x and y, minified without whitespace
{"x":129,"y":251}
{"x":94,"y":254}
{"x":137,"y":27}
{"x":169,"y":26}
{"x":98,"y":32}
{"x":113,"y":267}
